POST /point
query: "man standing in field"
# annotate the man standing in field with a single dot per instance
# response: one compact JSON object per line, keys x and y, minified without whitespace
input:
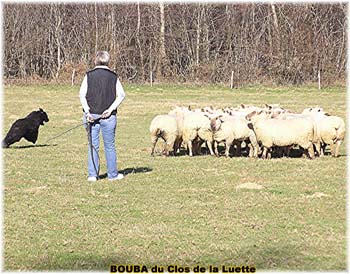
{"x":101,"y":93}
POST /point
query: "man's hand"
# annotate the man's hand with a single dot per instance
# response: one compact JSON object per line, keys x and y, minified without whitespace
{"x":89,"y":118}
{"x":106,"y":114}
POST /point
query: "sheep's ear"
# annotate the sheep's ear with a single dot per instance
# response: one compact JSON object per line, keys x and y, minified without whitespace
{"x":242,"y":106}
{"x":202,"y":110}
{"x":250,"y":115}
{"x":189,"y":107}
{"x":268,"y":106}
{"x":261,"y":111}
{"x":206,"y":115}
{"x":327,"y":114}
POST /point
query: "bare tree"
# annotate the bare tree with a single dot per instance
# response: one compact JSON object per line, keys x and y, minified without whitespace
{"x":162,"y":68}
{"x":178,"y":42}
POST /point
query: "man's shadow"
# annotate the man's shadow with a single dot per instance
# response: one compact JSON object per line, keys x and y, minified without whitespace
{"x":131,"y":170}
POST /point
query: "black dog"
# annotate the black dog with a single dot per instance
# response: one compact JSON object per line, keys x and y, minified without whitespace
{"x":27,"y":128}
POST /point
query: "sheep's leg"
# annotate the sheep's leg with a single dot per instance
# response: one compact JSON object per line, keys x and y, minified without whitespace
{"x":332,"y":148}
{"x":318,"y":149}
{"x":165,"y":146}
{"x":264,"y":153}
{"x":210,"y":146}
{"x":169,"y":148}
{"x":235,"y":145}
{"x":216,"y":148}
{"x":189,"y":145}
{"x":269,"y":154}
{"x":170,"y":141}
{"x":254,"y":144}
{"x":194,"y":147}
{"x":227,"y":150}
{"x":305,"y":151}
{"x":197,"y":146}
{"x":154,"y":141}
{"x":323,"y":149}
{"x":311,"y":151}
{"x":251,"y":150}
{"x":337,"y":146}
{"x":177,"y":145}
{"x":166,"y":149}
{"x":239,"y":148}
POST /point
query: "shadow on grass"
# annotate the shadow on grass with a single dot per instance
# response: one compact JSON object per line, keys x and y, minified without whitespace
{"x":131,"y":170}
{"x":263,"y":258}
{"x":289,"y":257}
{"x":277,"y":258}
{"x":31,"y":146}
{"x":127,"y":171}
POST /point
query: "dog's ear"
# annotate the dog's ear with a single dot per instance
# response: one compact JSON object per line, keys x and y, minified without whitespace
{"x":40,"y":109}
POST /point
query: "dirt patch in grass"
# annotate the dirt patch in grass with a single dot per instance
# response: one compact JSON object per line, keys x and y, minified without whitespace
{"x":249,"y":186}
{"x":317,"y":195}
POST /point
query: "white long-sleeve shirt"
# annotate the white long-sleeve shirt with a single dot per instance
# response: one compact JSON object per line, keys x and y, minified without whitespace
{"x":120,"y":94}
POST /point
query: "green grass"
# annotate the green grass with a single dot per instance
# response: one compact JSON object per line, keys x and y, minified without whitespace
{"x":176,"y":210}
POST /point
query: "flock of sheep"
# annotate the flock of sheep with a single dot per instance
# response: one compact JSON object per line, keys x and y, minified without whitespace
{"x":262,"y":129}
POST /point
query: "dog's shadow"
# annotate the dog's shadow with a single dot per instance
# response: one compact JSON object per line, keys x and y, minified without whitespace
{"x":30,"y":146}
{"x":130,"y":170}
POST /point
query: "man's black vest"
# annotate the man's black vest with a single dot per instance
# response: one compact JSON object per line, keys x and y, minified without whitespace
{"x":101,"y":90}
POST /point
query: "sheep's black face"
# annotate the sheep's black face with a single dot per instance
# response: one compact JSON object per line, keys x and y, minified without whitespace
{"x":43,"y":116}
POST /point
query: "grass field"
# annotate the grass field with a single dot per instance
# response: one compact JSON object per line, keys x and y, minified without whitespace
{"x":168,"y":211}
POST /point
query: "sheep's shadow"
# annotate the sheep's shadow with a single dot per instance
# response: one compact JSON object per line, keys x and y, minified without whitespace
{"x":30,"y":146}
{"x":130,"y":170}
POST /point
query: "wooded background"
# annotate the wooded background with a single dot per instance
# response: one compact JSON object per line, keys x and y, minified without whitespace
{"x":194,"y":43}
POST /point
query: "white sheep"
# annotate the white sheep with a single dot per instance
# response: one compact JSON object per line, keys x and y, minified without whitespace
{"x":281,"y":133}
{"x":165,"y":127}
{"x":331,"y":130}
{"x":198,"y":127}
{"x":235,"y":129}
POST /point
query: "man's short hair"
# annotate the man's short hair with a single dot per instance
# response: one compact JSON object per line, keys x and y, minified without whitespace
{"x":102,"y":58}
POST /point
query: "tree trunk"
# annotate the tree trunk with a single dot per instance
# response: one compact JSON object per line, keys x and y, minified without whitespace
{"x":96,"y":30}
{"x":162,"y":67}
{"x":198,"y":34}
{"x":275,"y":20}
{"x":138,"y":41}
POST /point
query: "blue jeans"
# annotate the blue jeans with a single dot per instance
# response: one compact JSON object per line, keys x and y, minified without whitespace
{"x":107,"y":126}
